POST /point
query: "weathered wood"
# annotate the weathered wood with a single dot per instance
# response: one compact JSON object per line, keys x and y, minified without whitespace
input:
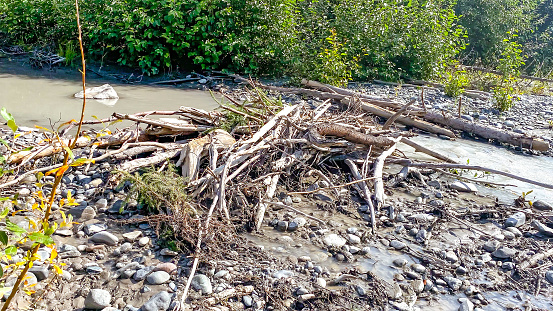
{"x":382,"y":102}
{"x":425,"y":126}
{"x":487,"y":131}
{"x":149,"y":161}
{"x":56,"y":147}
{"x":316,"y":133}
{"x":378,"y":168}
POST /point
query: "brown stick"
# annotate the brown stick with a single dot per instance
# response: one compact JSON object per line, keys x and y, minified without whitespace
{"x":348,"y":134}
{"x":427,"y":151}
{"x":459,"y":109}
{"x":393,"y":118}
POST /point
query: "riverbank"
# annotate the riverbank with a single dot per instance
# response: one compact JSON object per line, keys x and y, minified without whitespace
{"x":438,"y":244}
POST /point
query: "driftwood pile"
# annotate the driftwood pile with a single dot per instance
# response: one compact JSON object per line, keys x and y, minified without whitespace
{"x":336,"y":140}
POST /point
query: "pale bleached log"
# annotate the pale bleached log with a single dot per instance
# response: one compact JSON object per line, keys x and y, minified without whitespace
{"x":83,"y":141}
{"x":378,"y":168}
{"x":133,"y":165}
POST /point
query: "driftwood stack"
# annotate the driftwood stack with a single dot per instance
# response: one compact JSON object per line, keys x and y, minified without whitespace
{"x":275,"y":148}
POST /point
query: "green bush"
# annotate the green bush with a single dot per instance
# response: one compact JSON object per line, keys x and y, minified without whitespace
{"x":455,"y":83}
{"x":388,"y":39}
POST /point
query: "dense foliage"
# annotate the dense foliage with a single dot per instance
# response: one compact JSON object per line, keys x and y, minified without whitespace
{"x":325,"y":39}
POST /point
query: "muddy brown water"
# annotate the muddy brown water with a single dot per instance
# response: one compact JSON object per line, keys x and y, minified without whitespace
{"x":40,"y":97}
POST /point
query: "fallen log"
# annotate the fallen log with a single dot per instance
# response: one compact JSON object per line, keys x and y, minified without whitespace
{"x":316,"y":133}
{"x":381,"y":102}
{"x":183,"y":130}
{"x":133,"y":165}
{"x":488,"y":132}
{"x":425,"y":126}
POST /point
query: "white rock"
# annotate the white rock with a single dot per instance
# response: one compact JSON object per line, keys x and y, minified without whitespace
{"x":105,"y":91}
{"x":463,"y":186}
{"x":97,"y":299}
{"x":131,"y":236}
{"x":105,"y":238}
{"x":334,"y":240}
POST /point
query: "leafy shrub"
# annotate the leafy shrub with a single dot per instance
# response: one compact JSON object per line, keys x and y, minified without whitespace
{"x":455,"y":83}
{"x":388,"y":38}
{"x":503,"y":96}
{"x":333,"y":66}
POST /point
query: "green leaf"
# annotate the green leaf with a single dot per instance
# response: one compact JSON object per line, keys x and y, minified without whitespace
{"x":6,"y":210}
{"x":3,"y":142}
{"x":10,"y":250}
{"x":15,"y":229}
{"x":1,"y":272}
{"x":12,"y":125}
{"x":5,"y":114}
{"x":69,"y":152}
{"x":4,"y":237}
{"x":40,"y":238}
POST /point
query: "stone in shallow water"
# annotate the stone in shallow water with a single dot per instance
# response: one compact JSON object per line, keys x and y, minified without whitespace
{"x":463,"y":186}
{"x":334,"y":240}
{"x":542,"y":206}
{"x":515,"y":220}
{"x":549,"y":276}
{"x":397,"y":244}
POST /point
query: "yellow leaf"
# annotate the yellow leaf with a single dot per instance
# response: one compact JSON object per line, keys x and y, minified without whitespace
{"x":51,"y":171}
{"x":53,"y":255}
{"x":42,"y":128}
{"x":59,"y":271}
{"x":32,"y":223}
{"x":35,"y":206}
{"x":62,"y":170}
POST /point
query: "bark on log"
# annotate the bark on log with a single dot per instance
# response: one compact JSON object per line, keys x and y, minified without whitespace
{"x":382,"y":102}
{"x":316,"y":133}
{"x":488,"y":132}
{"x":425,"y":126}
